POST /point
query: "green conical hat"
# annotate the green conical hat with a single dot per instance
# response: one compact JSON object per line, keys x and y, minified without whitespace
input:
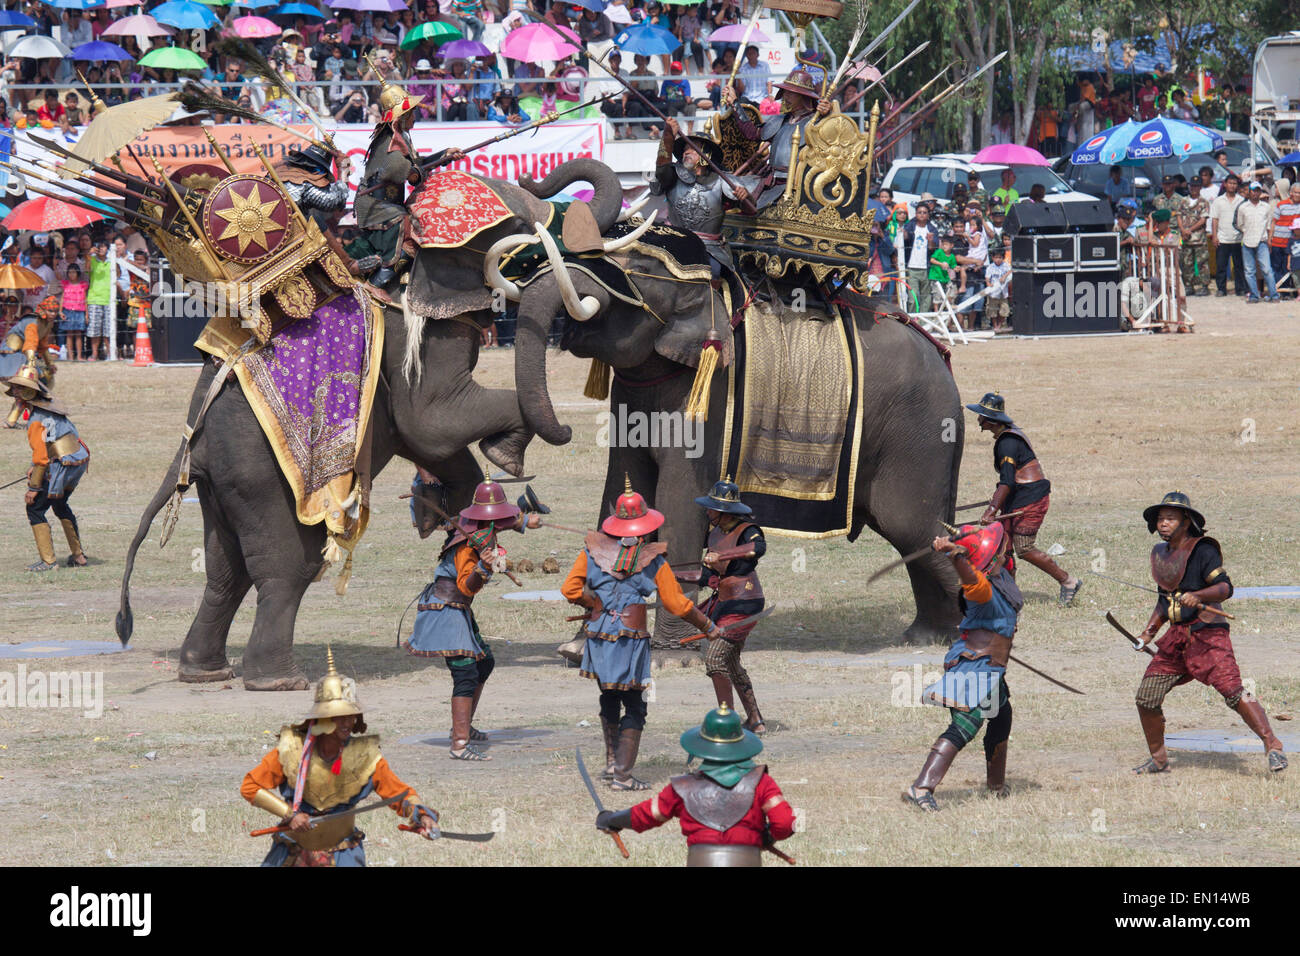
{"x":722,"y":737}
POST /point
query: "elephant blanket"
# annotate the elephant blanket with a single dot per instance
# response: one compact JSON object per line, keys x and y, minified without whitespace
{"x":312,"y":387}
{"x":794,"y":418}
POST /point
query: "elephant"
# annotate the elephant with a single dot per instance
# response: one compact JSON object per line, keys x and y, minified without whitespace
{"x":427,"y":409}
{"x":907,"y":471}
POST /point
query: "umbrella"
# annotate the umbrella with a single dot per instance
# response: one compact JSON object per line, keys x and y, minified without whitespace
{"x":119,"y":4}
{"x":648,"y":40}
{"x":595,"y":6}
{"x":1009,"y":154}
{"x":537,"y":42}
{"x":375,"y":6}
{"x":735,"y":32}
{"x":140,"y":25}
{"x":296,"y":10}
{"x":12,"y":18}
{"x":434,"y":30}
{"x":16,"y":277}
{"x":185,"y":15}
{"x":254,"y":28}
{"x":617,"y":13}
{"x":1290,"y":159}
{"x":863,"y":71}
{"x":98,"y":50}
{"x":173,"y":58}
{"x":39,"y":48}
{"x":254,"y":4}
{"x":118,"y":125}
{"x":216,"y":3}
{"x":1132,"y":144}
{"x":73,"y":4}
{"x":43,"y":214}
{"x":464,"y":50}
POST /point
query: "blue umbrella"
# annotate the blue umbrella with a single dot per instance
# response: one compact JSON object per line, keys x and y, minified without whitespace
{"x":296,"y":10}
{"x":185,"y":15}
{"x":254,"y":4}
{"x":73,"y":4}
{"x":595,"y":6}
{"x":1290,"y":159}
{"x":1132,"y":144}
{"x":12,"y":18}
{"x":647,"y":39}
{"x":99,"y":50}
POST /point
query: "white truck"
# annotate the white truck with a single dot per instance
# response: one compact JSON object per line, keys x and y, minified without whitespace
{"x":1275,"y":94}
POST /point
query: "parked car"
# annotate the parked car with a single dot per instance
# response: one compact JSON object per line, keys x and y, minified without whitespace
{"x":939,"y":174}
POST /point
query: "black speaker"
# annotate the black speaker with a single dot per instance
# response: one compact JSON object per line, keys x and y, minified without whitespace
{"x":1092,"y":216}
{"x":1065,"y":303}
{"x":174,"y":336}
{"x":1099,"y":251}
{"x":1034,"y":218}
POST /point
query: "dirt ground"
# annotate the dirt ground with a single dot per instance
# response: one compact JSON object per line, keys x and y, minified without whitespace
{"x":1117,"y":422}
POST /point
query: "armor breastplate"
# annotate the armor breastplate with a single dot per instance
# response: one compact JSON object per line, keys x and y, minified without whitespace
{"x":325,"y":790}
{"x":734,"y":587}
{"x":696,"y":205}
{"x":1031,"y":470}
{"x":445,"y":588}
{"x":712,"y":804}
{"x":1169,"y":569}
{"x":782,"y":142}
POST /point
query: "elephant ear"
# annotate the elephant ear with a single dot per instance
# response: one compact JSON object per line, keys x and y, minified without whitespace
{"x":580,"y":231}
{"x":447,"y":282}
{"x":682,"y":337}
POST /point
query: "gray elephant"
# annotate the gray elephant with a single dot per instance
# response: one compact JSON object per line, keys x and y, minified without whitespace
{"x":427,"y":409}
{"x":906,"y":477}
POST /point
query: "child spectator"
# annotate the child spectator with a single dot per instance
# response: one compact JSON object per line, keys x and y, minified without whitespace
{"x":98,"y":296}
{"x":138,"y":300}
{"x":997,"y":276}
{"x":943,"y":264}
{"x":74,"y":311}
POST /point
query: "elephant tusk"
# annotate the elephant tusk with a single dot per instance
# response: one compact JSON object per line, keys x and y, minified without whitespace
{"x":492,"y":264}
{"x":581,"y":309}
{"x":634,"y":207}
{"x":613,"y":245}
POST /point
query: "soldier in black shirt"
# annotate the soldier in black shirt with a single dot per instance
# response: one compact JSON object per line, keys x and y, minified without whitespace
{"x":1022,"y":487}
{"x":1188,"y":571}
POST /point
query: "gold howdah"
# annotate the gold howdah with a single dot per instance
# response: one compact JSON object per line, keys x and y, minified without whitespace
{"x":823,"y":221}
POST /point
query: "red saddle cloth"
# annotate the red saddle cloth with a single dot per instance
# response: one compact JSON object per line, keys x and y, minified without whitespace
{"x":452,"y":207}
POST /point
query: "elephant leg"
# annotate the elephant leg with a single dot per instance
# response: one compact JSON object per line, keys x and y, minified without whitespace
{"x":268,"y":660}
{"x":203,"y":655}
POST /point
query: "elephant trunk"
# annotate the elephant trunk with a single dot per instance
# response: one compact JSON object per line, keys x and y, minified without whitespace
{"x":607,"y":202}
{"x":537,"y":310}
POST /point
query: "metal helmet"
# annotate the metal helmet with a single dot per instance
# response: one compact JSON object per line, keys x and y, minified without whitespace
{"x":336,"y":695}
{"x":632,"y":517}
{"x":490,"y":502}
{"x":983,"y":544}
{"x":721,"y":737}
{"x":26,"y":384}
{"x":993,"y":407}
{"x":1175,"y":499}
{"x":801,"y":82}
{"x":724,"y":497}
{"x":394,"y":101}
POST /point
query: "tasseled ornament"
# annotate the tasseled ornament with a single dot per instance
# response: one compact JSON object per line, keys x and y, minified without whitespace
{"x":336,"y":767}
{"x":332,"y":552}
{"x":597,"y":381}
{"x":697,"y":405}
{"x":341,"y":582}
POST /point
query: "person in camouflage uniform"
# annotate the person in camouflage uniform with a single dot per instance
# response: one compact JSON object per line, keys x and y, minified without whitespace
{"x":976,"y":192}
{"x":1195,"y":258}
{"x":1170,"y":198}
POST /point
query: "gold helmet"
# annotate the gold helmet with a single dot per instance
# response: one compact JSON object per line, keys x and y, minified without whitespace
{"x":394,"y":101}
{"x":336,"y":695}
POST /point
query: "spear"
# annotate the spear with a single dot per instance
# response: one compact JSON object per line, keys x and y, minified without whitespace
{"x":868,"y":89}
{"x":81,"y":199}
{"x":934,"y":103}
{"x":100,"y":168}
{"x":857,"y":36}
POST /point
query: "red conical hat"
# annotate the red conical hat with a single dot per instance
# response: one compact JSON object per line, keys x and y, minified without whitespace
{"x":632,"y":518}
{"x":983,"y":544}
{"x":490,"y":502}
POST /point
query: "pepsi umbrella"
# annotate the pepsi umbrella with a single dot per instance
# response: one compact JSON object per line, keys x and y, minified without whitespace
{"x":99,"y":50}
{"x":1132,"y":143}
{"x":185,"y":15}
{"x":12,"y":18}
{"x":648,"y":40}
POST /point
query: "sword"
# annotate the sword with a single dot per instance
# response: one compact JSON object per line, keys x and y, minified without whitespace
{"x":448,"y":835}
{"x":1110,"y":619}
{"x":1199,"y":607}
{"x":337,"y":813}
{"x":448,"y":518}
{"x":1072,"y":690}
{"x":600,"y":807}
{"x":771,"y":848}
{"x":734,"y":624}
{"x":927,"y":550}
{"x":973,"y":504}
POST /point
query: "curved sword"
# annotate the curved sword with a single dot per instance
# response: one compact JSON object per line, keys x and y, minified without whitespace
{"x":600,"y":807}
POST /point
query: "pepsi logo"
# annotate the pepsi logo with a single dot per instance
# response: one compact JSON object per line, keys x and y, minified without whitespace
{"x":1094,"y":142}
{"x":1151,"y":136}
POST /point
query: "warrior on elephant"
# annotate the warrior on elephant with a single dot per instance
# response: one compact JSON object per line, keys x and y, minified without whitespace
{"x":802,"y":105}
{"x":321,"y":193}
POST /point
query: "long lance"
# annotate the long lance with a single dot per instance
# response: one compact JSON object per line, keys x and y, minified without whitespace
{"x":934,"y":103}
{"x":452,"y":521}
{"x":76,"y":198}
{"x":870,"y":46}
{"x":876,"y":83}
{"x":600,"y":807}
{"x":100,"y":168}
{"x":908,"y":102}
{"x":747,"y":205}
{"x":98,"y":182}
{"x":1110,"y":619}
{"x":12,"y":483}
{"x":1048,"y":677}
{"x":1140,"y":587}
{"x":744,"y":41}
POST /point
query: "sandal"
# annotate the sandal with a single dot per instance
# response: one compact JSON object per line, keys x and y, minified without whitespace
{"x":72,"y":561}
{"x":1151,"y":767}
{"x":921,"y":798}
{"x":758,"y":730}
{"x":469,"y":753}
{"x":1276,"y":761}
{"x":474,"y":734}
{"x":41,"y":566}
{"x":631,"y":783}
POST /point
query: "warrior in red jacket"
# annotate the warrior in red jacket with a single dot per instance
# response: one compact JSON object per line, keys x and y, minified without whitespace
{"x":729,"y":809}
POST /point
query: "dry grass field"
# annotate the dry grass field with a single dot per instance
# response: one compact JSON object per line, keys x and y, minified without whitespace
{"x":1117,"y":421}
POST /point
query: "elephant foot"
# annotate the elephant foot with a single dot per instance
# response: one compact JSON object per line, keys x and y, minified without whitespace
{"x":190,"y":674}
{"x":290,"y":682}
{"x":926,"y":632}
{"x":506,"y":449}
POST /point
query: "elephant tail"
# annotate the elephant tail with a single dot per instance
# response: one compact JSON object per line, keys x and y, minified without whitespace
{"x":125,"y":622}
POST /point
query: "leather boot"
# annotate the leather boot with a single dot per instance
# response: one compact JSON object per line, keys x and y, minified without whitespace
{"x":753,"y":717}
{"x":936,"y":765}
{"x":610,"y":729}
{"x":1252,"y":712}
{"x":722,"y":690}
{"x":44,"y":547}
{"x":629,"y":742}
{"x":997,"y":771}
{"x":461,"y":710}
{"x":76,"y":557}
{"x":475,"y":734}
{"x":1153,"y":726}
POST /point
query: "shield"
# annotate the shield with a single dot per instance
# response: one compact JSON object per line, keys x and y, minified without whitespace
{"x":246,"y":218}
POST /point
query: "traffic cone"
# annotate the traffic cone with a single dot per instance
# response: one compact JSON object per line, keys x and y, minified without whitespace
{"x":143,"y":346}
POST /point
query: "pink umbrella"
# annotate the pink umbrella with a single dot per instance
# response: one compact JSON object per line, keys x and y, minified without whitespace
{"x":864,"y":71}
{"x":735,"y":33}
{"x":537,"y":42}
{"x":140,"y":25}
{"x":118,"y":4}
{"x":1009,"y":154}
{"x":254,"y":28}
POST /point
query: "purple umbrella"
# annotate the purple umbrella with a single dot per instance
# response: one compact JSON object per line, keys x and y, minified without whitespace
{"x":100,"y":50}
{"x":375,"y":6}
{"x":463,"y":50}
